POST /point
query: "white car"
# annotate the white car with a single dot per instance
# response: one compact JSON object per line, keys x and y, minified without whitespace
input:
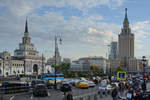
{"x":102,"y":88}
{"x":109,"y":87}
{"x":91,"y":83}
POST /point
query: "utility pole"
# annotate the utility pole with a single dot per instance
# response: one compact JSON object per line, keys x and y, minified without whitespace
{"x":42,"y":64}
{"x":56,"y":46}
{"x":3,"y":63}
{"x":55,"y":86}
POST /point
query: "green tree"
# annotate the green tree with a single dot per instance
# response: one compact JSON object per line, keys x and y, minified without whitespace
{"x":118,"y":69}
{"x":63,"y":68}
{"x":96,"y":71}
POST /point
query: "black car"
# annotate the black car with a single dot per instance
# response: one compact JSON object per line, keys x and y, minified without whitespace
{"x":40,"y":90}
{"x":65,"y":87}
{"x":35,"y":82}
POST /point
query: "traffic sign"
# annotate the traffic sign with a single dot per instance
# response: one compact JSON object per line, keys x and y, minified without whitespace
{"x":121,"y":75}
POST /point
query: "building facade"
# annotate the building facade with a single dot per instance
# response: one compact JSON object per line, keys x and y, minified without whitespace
{"x":95,"y":61}
{"x":66,"y":60}
{"x":113,"y":50}
{"x":26,"y":59}
{"x":80,"y":67}
{"x":126,"y":40}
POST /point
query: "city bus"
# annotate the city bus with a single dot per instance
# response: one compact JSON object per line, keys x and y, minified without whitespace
{"x":47,"y":77}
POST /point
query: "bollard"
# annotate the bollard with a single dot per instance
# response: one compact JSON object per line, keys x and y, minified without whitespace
{"x":95,"y":97}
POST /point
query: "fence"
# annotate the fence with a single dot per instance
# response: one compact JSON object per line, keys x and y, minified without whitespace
{"x":10,"y":90}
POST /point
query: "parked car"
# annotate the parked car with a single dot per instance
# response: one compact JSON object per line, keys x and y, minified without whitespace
{"x":40,"y":90}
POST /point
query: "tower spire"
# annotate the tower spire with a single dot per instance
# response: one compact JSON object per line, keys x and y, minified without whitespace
{"x":126,"y":13}
{"x":126,"y":22}
{"x":26,"y":26}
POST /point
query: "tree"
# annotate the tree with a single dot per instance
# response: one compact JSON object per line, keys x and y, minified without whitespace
{"x":96,"y":70}
{"x":63,"y":68}
{"x":118,"y":69}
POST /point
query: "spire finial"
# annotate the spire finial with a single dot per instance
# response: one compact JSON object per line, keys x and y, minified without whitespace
{"x":126,"y":13}
{"x":26,"y":26}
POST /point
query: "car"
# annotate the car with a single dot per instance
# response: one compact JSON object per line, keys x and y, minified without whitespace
{"x":40,"y":90}
{"x":102,"y":89}
{"x":75,"y":82}
{"x":65,"y":87}
{"x":82,"y":84}
{"x":91,"y":84}
{"x":35,"y":82}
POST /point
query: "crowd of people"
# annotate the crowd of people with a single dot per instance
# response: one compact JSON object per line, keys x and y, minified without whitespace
{"x":132,"y":91}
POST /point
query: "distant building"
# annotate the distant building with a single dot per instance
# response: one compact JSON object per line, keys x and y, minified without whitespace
{"x":80,"y":67}
{"x":95,"y":61}
{"x":113,"y":50}
{"x":51,"y":60}
{"x":66,"y":60}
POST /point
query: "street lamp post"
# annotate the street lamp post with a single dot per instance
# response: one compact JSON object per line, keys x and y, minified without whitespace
{"x":56,"y":46}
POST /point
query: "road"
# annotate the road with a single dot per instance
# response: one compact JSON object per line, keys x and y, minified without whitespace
{"x":57,"y":95}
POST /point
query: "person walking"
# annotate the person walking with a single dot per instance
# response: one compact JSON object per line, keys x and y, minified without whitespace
{"x":69,"y":96}
{"x":115,"y":94}
{"x":144,"y":86}
{"x":65,"y":96}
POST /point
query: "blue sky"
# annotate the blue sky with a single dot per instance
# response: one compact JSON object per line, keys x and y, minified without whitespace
{"x":86,"y":26}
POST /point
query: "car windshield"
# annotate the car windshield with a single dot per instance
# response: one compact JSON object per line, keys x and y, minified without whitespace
{"x":40,"y":87}
{"x":39,"y":82}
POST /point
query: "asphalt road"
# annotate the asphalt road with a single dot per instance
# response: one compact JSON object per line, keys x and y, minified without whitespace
{"x":57,"y":95}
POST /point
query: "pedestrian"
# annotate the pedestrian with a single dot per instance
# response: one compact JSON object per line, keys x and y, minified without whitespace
{"x":115,"y":94}
{"x":69,"y":96}
{"x":130,"y":94}
{"x":144,"y":86}
{"x":65,"y":96}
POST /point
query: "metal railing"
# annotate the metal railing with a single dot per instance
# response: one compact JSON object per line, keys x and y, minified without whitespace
{"x":11,"y":90}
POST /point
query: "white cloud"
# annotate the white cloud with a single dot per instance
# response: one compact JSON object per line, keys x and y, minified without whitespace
{"x":141,"y":31}
{"x":75,"y":31}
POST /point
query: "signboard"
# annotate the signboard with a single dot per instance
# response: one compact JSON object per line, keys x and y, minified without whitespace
{"x":121,"y":75}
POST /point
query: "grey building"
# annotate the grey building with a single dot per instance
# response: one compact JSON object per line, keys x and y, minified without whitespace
{"x":66,"y":60}
{"x":113,"y":50}
{"x":126,"y":40}
{"x":80,"y":67}
{"x":95,"y":61}
{"x":33,"y":63}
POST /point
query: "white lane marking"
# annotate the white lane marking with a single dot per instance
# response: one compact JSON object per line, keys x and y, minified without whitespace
{"x":49,"y":94}
{"x":12,"y":98}
{"x":31,"y":97}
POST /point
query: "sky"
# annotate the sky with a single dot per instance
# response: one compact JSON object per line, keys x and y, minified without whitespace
{"x":85,"y":26}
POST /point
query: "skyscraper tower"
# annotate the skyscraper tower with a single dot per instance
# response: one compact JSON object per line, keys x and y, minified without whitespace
{"x":126,"y":40}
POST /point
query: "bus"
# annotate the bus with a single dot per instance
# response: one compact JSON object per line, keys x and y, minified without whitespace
{"x":47,"y":77}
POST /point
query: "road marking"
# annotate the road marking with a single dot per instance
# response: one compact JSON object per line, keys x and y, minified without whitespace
{"x":12,"y":98}
{"x":49,"y":94}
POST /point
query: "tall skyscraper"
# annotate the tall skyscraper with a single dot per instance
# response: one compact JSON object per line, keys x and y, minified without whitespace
{"x":113,"y":50}
{"x":126,"y":40}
